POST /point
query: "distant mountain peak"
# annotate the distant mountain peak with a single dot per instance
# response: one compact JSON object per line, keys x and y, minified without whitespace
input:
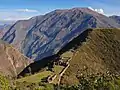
{"x":79,"y":9}
{"x":45,"y":35}
{"x":115,"y":18}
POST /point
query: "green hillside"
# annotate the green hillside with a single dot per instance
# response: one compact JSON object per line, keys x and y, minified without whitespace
{"x":89,"y":62}
{"x":98,"y":54}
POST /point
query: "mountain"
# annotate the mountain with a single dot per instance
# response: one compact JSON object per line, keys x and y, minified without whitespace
{"x":116,"y":18}
{"x":44,"y":36}
{"x":18,"y":32}
{"x":98,"y":53}
{"x":12,"y":62}
{"x":90,"y":61}
{"x":3,"y":29}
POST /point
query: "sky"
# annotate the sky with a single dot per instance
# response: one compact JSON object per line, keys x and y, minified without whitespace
{"x":24,"y":9}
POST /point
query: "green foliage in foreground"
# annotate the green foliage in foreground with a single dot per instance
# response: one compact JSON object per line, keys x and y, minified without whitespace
{"x":33,"y":86}
{"x":95,"y":82}
{"x":90,"y":82}
{"x":4,"y":84}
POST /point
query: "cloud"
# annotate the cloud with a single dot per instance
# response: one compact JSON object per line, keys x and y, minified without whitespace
{"x":15,"y":19}
{"x":26,"y":10}
{"x":101,"y":11}
{"x":17,"y":14}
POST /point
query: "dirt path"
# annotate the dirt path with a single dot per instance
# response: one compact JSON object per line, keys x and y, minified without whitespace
{"x":61,"y":74}
{"x":58,"y":77}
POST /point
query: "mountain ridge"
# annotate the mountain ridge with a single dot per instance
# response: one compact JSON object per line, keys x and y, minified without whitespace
{"x":43,"y":36}
{"x":98,"y":54}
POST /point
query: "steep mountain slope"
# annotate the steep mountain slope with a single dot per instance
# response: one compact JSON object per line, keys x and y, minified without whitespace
{"x":99,"y":53}
{"x":3,"y":29}
{"x":17,"y":32}
{"x":12,"y":62}
{"x":45,"y":35}
{"x":116,"y":18}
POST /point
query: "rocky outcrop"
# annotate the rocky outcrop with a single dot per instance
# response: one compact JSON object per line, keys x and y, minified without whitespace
{"x":12,"y":62}
{"x":45,"y":35}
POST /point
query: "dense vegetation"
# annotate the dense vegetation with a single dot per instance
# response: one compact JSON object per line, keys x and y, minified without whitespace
{"x":95,"y":82}
{"x":4,"y":83}
{"x":90,"y":82}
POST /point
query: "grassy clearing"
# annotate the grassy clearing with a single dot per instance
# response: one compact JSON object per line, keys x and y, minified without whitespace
{"x":67,"y":54}
{"x":39,"y":76}
{"x":57,"y":69}
{"x":36,"y":77}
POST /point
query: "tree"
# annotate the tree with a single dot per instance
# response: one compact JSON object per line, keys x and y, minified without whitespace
{"x":4,"y":83}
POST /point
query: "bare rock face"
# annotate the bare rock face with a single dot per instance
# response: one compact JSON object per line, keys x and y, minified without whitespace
{"x":45,"y":35}
{"x":4,"y":29}
{"x":12,"y":62}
